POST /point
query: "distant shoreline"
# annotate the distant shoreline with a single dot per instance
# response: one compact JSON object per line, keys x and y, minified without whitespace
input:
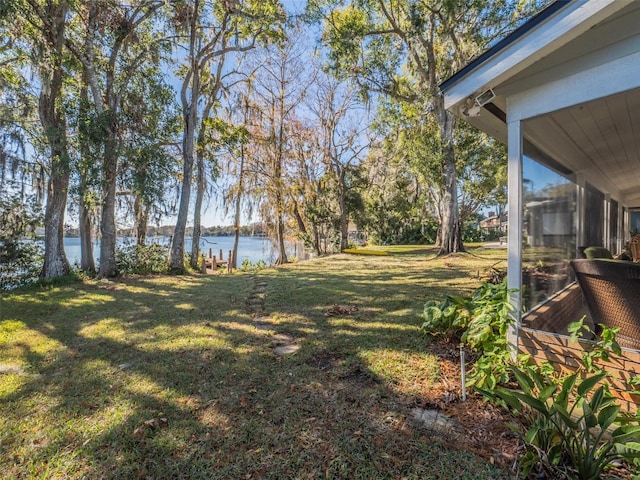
{"x":256,"y":230}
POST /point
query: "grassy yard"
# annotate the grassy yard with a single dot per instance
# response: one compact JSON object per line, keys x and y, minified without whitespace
{"x":178,"y":377}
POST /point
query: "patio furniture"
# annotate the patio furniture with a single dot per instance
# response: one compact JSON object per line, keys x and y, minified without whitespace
{"x":594,"y":251}
{"x":611,"y":289}
{"x":634,"y":246}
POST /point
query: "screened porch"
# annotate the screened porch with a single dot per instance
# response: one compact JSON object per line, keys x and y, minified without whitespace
{"x":563,"y":93}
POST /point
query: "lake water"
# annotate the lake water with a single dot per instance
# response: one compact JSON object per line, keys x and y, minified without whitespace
{"x":251,"y":248}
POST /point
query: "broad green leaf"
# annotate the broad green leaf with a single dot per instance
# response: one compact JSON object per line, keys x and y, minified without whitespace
{"x":626,"y":432}
{"x":608,"y":415}
{"x":523,"y":379}
{"x":635,"y":446}
{"x":531,"y":434}
{"x":569,"y":382}
{"x":510,"y":399}
{"x":588,"y":383}
{"x":546,"y":392}
{"x":589,"y":416}
{"x":531,"y":401}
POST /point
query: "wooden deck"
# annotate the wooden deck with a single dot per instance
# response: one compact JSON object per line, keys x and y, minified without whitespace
{"x":211,"y":264}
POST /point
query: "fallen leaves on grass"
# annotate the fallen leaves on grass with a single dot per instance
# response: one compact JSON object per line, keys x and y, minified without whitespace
{"x":485,"y":426}
{"x":149,"y":425}
{"x":340,"y":310}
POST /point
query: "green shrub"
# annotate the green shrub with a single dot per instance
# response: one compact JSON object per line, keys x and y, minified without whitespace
{"x":21,"y":257}
{"x":448,"y":318}
{"x":481,"y":322}
{"x":141,"y":259}
{"x":603,"y":346}
{"x":249,"y":266}
{"x":20,"y":263}
{"x":573,"y":427}
{"x":487,"y":335}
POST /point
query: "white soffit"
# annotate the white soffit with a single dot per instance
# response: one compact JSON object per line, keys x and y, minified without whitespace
{"x":603,"y":80}
{"x":599,"y":139}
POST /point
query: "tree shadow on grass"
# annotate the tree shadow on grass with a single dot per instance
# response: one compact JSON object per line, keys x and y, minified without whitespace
{"x":166,"y":383}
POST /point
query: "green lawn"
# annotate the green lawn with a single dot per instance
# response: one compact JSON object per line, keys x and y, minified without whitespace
{"x":170,"y":377}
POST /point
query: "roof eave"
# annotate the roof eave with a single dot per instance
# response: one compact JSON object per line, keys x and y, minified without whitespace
{"x":505,"y":42}
{"x":537,"y":38}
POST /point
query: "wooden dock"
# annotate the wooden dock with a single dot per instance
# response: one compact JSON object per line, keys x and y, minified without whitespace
{"x":211,"y":264}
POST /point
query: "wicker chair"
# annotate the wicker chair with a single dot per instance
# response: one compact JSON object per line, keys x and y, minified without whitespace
{"x":634,"y":246}
{"x":612,"y":291}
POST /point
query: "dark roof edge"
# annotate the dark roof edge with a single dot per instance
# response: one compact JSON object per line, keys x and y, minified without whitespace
{"x":534,"y":21}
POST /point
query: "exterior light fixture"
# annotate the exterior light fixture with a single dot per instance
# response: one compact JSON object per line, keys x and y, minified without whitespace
{"x":485,"y":97}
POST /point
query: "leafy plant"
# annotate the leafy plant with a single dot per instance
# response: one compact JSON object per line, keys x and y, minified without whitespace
{"x":249,"y":266}
{"x":449,"y":318}
{"x":572,"y":430}
{"x":141,"y":259}
{"x":20,"y":256}
{"x":604,"y":344}
{"x":482,"y":322}
{"x":487,"y":334}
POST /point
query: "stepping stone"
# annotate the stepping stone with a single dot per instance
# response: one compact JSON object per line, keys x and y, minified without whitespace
{"x":280,"y":339}
{"x":265,"y":319}
{"x":260,"y":289}
{"x":8,"y":369}
{"x":263,"y":326}
{"x":286,"y":349}
{"x":255,"y":301}
{"x":437,"y":422}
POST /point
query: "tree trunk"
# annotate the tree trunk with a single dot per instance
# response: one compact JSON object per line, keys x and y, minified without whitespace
{"x":87,"y":262}
{"x":197,"y":212}
{"x":176,"y":263}
{"x":450,"y":231}
{"x":54,"y":123}
{"x":344,"y":218}
{"x":141,"y":213}
{"x":236,"y":241}
{"x":279,"y":207}
{"x":236,"y":220}
{"x":282,"y":251}
{"x":296,"y":214}
{"x":108,"y":267}
{"x":278,"y":180}
{"x":316,"y":239}
{"x":55,"y":259}
{"x":190,"y":119}
{"x":451,"y":234}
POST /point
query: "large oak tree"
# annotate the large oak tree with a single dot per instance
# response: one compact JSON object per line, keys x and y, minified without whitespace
{"x":404,"y":49}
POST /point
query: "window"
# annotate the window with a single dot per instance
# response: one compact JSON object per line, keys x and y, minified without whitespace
{"x":594,"y":216}
{"x":613,"y":226}
{"x":549,"y":236}
{"x":634,"y":221}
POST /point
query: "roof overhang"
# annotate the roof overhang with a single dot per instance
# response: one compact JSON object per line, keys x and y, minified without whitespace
{"x":571,"y":75}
